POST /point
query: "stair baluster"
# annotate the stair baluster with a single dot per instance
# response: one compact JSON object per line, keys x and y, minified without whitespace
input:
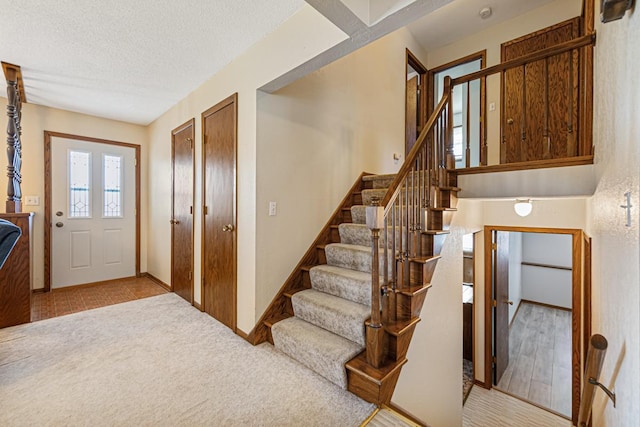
{"x":375,"y":332}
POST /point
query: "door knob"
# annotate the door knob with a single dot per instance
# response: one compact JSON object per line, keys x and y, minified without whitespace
{"x":59,"y":224}
{"x":228,"y":227}
{"x":510,"y":121}
{"x":508,"y":302}
{"x":174,"y":221}
{"x":59,"y":213}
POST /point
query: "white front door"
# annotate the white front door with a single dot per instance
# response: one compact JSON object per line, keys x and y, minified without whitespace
{"x":93,"y":212}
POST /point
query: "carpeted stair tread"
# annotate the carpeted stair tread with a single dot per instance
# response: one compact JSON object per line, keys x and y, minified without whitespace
{"x":318,"y":349}
{"x":354,"y":234}
{"x":369,"y":194}
{"x":359,"y":234}
{"x":340,"y":316}
{"x":354,"y":257}
{"x":379,"y":181}
{"x":342,"y":282}
{"x":359,"y":214}
{"x":378,"y":177}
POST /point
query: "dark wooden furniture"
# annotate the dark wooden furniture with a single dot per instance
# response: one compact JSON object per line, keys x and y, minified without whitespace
{"x":15,"y":275}
{"x":467,"y":338}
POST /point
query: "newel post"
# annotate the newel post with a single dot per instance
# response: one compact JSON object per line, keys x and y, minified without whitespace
{"x":375,"y":332}
{"x":14,"y":148}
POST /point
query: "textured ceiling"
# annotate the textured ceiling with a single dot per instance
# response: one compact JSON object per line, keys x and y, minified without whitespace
{"x":460,"y":18}
{"x":128,"y":60}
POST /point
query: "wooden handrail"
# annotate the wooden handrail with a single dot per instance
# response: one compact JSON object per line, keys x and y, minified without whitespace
{"x":535,"y":264}
{"x":576,"y":43}
{"x":410,"y":159}
{"x":595,"y":358}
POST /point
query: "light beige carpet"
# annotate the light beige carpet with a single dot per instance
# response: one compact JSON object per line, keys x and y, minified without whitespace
{"x":158,"y":361}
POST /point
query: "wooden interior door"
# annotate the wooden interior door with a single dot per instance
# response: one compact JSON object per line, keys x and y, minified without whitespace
{"x":411,"y":113}
{"x":501,"y":302}
{"x":182,"y":210}
{"x":540,"y":99}
{"x":219,"y":134}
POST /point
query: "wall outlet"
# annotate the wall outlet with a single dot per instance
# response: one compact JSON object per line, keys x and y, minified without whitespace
{"x":273,"y":208}
{"x":32,"y":200}
{"x":492,"y":106}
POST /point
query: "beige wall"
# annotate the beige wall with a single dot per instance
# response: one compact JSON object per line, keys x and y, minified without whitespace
{"x":616,"y":253}
{"x":429,"y":387}
{"x":35,"y":120}
{"x":302,"y":37}
{"x":490,"y":39}
{"x":315,"y":137}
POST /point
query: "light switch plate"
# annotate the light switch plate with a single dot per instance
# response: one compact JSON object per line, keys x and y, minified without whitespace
{"x":273,"y":208}
{"x":32,"y":200}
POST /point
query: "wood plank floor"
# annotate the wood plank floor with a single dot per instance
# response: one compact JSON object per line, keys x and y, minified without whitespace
{"x":540,"y":357}
{"x":73,"y":299}
{"x":492,"y":408}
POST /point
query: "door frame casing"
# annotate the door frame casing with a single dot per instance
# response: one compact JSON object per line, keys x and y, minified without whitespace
{"x":230,"y":100}
{"x":578,"y":309}
{"x":414,"y":62}
{"x":479,"y":55}
{"x":189,"y":123}
{"x":48,"y":195}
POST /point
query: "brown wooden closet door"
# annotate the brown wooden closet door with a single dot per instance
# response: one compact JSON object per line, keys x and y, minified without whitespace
{"x":182,"y":210}
{"x":540,"y":99}
{"x":219,"y":234}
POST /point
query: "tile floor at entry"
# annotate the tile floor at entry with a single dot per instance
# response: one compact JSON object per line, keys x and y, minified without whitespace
{"x":540,"y":357}
{"x":73,"y":299}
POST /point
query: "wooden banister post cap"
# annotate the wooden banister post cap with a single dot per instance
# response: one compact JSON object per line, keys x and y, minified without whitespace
{"x":375,"y":215}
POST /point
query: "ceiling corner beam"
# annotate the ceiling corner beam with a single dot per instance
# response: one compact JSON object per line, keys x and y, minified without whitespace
{"x":13,"y":73}
{"x":340,"y":15}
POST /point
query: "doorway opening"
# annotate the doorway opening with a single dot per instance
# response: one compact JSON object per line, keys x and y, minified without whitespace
{"x":94,"y":187}
{"x":469,"y":139}
{"x":468,"y":281}
{"x":533,"y":312}
{"x":415,"y":100}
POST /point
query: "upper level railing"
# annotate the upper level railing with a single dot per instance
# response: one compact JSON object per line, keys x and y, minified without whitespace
{"x":545,"y":103}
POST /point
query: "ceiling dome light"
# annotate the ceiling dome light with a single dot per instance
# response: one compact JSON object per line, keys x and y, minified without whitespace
{"x":523,"y":207}
{"x":485,"y":12}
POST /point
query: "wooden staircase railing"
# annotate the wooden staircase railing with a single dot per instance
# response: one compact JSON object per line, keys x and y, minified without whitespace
{"x":403,"y":224}
{"x":576,"y":126}
{"x":15,"y":98}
